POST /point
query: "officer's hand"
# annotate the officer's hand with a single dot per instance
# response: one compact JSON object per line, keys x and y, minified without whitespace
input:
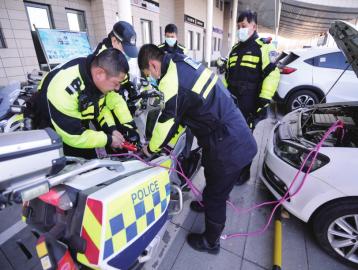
{"x":145,"y":151}
{"x":117,"y":139}
{"x":262,"y":103}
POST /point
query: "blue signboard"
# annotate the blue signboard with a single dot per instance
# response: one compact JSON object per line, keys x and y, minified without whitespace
{"x":60,"y":46}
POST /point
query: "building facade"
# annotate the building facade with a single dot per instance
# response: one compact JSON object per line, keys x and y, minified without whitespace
{"x":19,"y":48}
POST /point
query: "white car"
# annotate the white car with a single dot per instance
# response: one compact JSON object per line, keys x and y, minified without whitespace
{"x":308,"y":74}
{"x":328,"y":199}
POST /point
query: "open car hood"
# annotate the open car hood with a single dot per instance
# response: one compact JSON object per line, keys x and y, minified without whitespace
{"x":346,"y":37}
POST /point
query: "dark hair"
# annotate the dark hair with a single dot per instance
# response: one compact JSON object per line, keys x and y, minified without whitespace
{"x":171,"y":28}
{"x":149,"y":52}
{"x":112,"y":61}
{"x":249,"y":15}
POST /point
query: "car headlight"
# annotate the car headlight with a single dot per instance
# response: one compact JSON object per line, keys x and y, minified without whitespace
{"x":295,"y":156}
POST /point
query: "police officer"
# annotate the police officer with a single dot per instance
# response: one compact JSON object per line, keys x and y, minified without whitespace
{"x":72,"y":95}
{"x":123,"y":38}
{"x":194,"y":97}
{"x":171,"y":44}
{"x":252,"y":77}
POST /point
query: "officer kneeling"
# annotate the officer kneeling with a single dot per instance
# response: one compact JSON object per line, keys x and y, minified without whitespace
{"x":72,"y":95}
{"x":194,"y":97}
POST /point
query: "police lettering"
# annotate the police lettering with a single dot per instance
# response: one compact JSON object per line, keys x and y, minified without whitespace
{"x":140,"y":194}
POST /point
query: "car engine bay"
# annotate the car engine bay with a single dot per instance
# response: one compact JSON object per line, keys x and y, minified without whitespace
{"x":316,"y":122}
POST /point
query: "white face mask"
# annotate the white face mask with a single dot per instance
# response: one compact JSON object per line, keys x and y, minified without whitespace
{"x":171,"y":41}
{"x":243,"y":34}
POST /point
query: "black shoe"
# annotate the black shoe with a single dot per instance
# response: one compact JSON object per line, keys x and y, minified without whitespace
{"x":196,"y":207}
{"x":198,"y":242}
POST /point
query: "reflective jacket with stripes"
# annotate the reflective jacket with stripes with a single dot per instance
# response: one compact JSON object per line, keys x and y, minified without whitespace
{"x":194,"y":97}
{"x":114,"y":101}
{"x":251,"y":69}
{"x":177,"y":48}
{"x":69,"y":100}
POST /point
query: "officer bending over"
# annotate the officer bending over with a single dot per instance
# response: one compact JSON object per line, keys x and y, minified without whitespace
{"x":74,"y":94}
{"x":194,"y":97}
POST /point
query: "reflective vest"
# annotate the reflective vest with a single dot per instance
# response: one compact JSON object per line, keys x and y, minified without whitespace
{"x":251,"y":69}
{"x":177,"y":48}
{"x":69,"y":100}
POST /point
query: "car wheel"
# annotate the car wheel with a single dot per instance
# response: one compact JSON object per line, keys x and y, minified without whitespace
{"x":301,"y":99}
{"x":336,"y":229}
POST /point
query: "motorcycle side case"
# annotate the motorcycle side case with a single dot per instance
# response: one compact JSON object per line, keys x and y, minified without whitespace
{"x":29,"y":155}
{"x":121,"y":219}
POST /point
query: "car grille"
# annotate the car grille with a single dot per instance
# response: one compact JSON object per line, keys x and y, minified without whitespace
{"x":275,"y":182}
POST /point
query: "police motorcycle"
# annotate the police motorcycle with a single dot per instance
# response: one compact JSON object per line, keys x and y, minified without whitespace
{"x":15,"y":102}
{"x":107,"y":213}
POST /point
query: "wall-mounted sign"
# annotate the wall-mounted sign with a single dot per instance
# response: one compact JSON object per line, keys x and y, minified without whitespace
{"x":147,"y":4}
{"x":218,"y":30}
{"x":60,"y":46}
{"x":199,"y":23}
{"x":192,"y":20}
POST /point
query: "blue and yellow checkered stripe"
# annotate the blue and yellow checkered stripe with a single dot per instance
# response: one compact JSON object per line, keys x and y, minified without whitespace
{"x":126,"y":219}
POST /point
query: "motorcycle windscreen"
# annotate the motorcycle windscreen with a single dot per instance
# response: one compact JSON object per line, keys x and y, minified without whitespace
{"x":121,"y":219}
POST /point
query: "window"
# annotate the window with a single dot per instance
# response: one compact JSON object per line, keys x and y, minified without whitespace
{"x":76,"y":20}
{"x":146,"y":31}
{"x":217,"y":3}
{"x":219,"y":41}
{"x":334,"y":60}
{"x":221,"y":5}
{"x":198,"y":41}
{"x":190,"y":40}
{"x":214,"y":47}
{"x":161,"y":34}
{"x":2,"y":39}
{"x":39,"y":15}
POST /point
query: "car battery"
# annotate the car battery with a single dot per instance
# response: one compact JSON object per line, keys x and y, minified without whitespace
{"x":28,"y":155}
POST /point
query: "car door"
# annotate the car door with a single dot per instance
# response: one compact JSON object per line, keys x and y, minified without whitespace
{"x":327,"y":69}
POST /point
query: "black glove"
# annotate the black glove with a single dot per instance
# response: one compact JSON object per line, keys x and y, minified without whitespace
{"x":130,"y":88}
{"x":262,"y":103}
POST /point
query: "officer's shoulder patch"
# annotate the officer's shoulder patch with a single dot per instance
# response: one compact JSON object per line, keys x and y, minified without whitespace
{"x":273,"y":56}
{"x":191,"y":62}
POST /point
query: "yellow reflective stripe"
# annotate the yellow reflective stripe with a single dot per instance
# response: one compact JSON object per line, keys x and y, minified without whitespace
{"x":160,"y":133}
{"x":88,"y":139}
{"x":92,"y":226}
{"x":232,"y":64}
{"x":210,"y":86}
{"x":83,"y":259}
{"x":126,"y":79}
{"x":247,"y":65}
{"x":169,"y":83}
{"x":251,"y":58}
{"x":233,"y":59}
{"x":107,"y":115}
{"x":89,"y":110}
{"x":174,"y":140}
{"x":201,"y":81}
{"x":41,"y":249}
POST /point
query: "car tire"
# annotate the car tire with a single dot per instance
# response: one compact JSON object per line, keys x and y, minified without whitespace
{"x":301,"y":99}
{"x":331,"y":226}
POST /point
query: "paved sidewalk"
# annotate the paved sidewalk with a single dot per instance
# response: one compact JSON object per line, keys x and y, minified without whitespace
{"x":300,"y":252}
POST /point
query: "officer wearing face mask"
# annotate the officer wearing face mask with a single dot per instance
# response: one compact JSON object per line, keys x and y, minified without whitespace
{"x":252,"y":76}
{"x":171,"y":44}
{"x":123,"y":38}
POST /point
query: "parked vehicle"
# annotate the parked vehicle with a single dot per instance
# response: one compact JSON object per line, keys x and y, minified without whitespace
{"x":308,"y":74}
{"x":329,"y":198}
